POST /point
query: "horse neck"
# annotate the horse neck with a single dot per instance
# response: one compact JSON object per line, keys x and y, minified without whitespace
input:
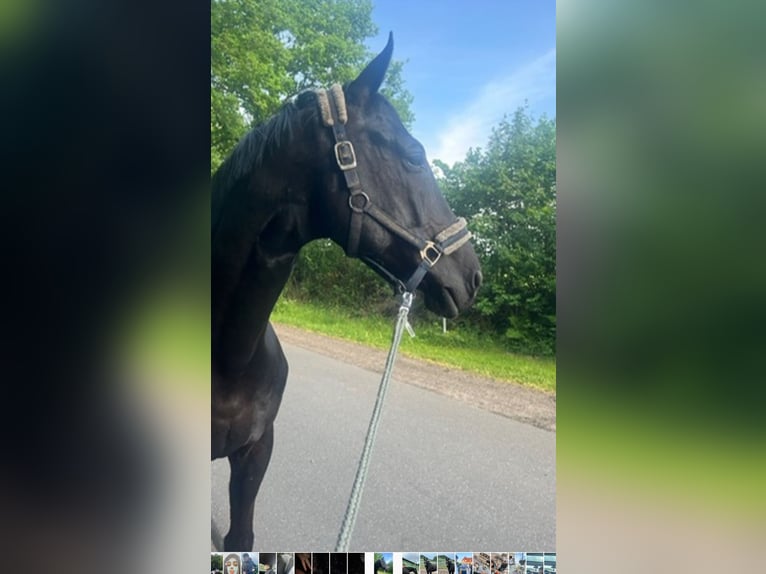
{"x":260,"y":227}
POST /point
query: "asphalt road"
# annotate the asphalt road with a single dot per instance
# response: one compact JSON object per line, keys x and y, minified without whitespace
{"x":444,"y":476}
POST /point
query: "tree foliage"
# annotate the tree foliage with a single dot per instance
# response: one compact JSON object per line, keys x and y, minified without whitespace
{"x":508,"y":194}
{"x":263,"y":51}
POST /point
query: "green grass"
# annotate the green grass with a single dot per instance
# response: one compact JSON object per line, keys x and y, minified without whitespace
{"x":457,"y":348}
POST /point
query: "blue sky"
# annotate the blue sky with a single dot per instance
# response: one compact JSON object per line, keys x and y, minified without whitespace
{"x":469,"y":62}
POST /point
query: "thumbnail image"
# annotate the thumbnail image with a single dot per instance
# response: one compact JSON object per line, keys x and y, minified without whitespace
{"x":410,"y":562}
{"x":249,"y":563}
{"x":535,"y":563}
{"x":320,"y":563}
{"x":285,"y":563}
{"x":267,"y":563}
{"x":549,"y":562}
{"x":427,"y":563}
{"x":481,"y":563}
{"x":303,"y":563}
{"x":445,"y":563}
{"x":519,"y":562}
{"x":499,"y":562}
{"x":232,"y":563}
{"x":216,"y":563}
{"x":464,"y":562}
{"x":384,"y":563}
{"x":356,"y":563}
{"x":338,"y":563}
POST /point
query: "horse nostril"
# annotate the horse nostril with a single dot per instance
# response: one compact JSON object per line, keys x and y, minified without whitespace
{"x":477,"y":279}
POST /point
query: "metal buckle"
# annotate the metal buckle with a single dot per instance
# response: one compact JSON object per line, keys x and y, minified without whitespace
{"x":345,"y":156}
{"x":361,"y":208}
{"x":430,"y":253}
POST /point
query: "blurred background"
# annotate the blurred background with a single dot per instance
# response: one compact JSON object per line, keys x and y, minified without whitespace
{"x":105,"y":148}
{"x":660,"y":281}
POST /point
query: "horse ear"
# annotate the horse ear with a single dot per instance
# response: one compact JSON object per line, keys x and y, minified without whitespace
{"x":369,"y":80}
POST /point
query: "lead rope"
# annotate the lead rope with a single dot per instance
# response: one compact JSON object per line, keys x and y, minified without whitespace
{"x":361,"y":472}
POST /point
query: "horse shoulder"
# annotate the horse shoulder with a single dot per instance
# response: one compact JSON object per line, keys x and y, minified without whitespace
{"x":243,"y":408}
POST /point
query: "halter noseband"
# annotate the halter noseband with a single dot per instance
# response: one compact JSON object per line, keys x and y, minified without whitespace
{"x":332,"y":105}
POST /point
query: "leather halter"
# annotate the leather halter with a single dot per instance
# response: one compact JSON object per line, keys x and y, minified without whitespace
{"x":445,"y":242}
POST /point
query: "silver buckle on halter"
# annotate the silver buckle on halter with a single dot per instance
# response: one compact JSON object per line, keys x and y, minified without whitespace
{"x":345,"y":156}
{"x":430,"y":253}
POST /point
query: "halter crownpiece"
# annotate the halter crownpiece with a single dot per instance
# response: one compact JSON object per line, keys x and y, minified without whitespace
{"x":324,"y":105}
{"x":332,"y":107}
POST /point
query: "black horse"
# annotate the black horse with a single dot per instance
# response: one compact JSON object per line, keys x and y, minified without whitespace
{"x":430,"y":566}
{"x":409,"y":570}
{"x":450,"y":566}
{"x":338,"y":164}
{"x":380,"y":564}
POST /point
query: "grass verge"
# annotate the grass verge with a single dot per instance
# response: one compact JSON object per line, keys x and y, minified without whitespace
{"x":456,"y":348}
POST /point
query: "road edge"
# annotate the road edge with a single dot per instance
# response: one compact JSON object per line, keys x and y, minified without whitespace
{"x":512,"y":400}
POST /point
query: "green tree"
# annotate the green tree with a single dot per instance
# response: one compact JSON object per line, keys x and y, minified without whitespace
{"x":324,"y":274}
{"x":508,"y":194}
{"x":263,"y":51}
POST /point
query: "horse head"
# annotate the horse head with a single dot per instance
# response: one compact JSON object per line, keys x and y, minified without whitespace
{"x":379,"y":200}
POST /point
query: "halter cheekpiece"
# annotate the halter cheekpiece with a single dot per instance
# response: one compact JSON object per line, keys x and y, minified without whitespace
{"x":332,"y":105}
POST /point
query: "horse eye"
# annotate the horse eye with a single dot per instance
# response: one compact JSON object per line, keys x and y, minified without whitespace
{"x":412,"y":162}
{"x":415,"y":161}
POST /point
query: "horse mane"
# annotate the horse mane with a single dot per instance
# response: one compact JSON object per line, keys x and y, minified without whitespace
{"x":257,"y":146}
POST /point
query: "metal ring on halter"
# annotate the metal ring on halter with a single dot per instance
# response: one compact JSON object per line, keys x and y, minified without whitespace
{"x":430,"y":253}
{"x":362,"y":207}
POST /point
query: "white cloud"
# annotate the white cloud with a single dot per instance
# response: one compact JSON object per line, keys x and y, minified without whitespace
{"x":472,"y":126}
